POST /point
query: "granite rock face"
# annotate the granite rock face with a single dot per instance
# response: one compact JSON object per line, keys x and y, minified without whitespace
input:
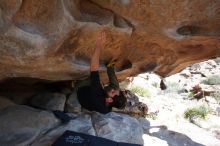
{"x":72,"y":104}
{"x":54,"y":39}
{"x":80,"y":123}
{"x":5,"y":102}
{"x":21,"y":125}
{"x":118,"y":127}
{"x":26,"y":126}
{"x":49,"y":101}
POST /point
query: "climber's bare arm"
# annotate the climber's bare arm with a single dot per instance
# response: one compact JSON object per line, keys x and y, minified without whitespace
{"x":100,"y":42}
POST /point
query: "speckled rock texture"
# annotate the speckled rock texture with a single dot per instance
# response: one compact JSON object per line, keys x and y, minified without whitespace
{"x":20,"y":125}
{"x":54,"y":39}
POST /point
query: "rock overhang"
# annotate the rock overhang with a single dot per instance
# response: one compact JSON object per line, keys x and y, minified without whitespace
{"x":54,"y":39}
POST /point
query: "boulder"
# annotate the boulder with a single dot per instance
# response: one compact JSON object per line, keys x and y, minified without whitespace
{"x":49,"y":101}
{"x":21,"y":125}
{"x":72,"y":104}
{"x":80,"y":123}
{"x":206,"y":68}
{"x":145,"y":124}
{"x":5,"y":102}
{"x":20,"y":90}
{"x":217,"y":60}
{"x":113,"y":126}
{"x":118,"y":127}
{"x":54,"y":39}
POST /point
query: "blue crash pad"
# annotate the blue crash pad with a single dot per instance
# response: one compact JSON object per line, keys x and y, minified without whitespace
{"x":71,"y":138}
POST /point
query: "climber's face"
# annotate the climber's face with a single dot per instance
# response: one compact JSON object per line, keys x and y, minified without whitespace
{"x":108,"y":100}
{"x":113,"y":92}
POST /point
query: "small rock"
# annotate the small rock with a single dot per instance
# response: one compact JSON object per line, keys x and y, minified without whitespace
{"x":49,"y":101}
{"x":216,"y":133}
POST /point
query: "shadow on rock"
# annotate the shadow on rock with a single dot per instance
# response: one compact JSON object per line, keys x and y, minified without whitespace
{"x":173,"y":138}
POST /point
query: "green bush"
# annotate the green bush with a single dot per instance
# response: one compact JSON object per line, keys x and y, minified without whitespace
{"x":212,"y":80}
{"x":201,"y":111}
{"x":139,"y":90}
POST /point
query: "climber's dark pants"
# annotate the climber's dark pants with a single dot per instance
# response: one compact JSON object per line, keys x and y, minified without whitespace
{"x":113,"y":81}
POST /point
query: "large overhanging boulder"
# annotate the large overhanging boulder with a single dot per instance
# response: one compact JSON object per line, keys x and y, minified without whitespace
{"x":54,"y":39}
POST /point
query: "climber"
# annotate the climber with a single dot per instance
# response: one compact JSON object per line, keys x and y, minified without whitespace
{"x":92,"y":96}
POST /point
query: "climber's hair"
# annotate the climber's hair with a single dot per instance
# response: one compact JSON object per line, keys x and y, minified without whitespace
{"x":119,"y":101}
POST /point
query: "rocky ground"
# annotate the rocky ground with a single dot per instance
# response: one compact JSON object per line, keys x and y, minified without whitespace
{"x":33,"y":124}
{"x":168,"y":106}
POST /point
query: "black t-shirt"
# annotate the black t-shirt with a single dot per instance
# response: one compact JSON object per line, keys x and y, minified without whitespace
{"x":93,"y":97}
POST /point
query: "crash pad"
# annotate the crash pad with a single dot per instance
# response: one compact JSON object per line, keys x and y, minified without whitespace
{"x":71,"y":138}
